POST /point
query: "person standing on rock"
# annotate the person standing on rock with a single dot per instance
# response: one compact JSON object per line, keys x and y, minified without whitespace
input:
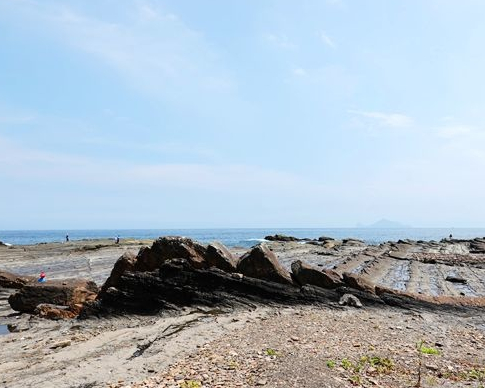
{"x":117,"y":240}
{"x":67,"y":238}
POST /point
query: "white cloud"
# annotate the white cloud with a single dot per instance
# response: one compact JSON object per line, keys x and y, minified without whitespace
{"x":326,"y":39}
{"x":152,"y":50}
{"x":280,"y":40}
{"x":395,"y":120}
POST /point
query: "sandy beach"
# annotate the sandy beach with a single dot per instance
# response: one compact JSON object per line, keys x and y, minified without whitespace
{"x":273,"y":345}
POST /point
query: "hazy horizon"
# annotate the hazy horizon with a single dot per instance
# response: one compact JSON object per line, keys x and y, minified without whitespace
{"x":175,"y":114}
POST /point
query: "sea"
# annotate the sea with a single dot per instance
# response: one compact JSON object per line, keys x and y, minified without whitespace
{"x":240,"y":237}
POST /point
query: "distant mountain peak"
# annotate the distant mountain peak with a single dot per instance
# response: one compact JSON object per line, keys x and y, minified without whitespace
{"x":385,"y":223}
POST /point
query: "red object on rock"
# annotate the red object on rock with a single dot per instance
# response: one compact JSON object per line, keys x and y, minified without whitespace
{"x":42,"y":274}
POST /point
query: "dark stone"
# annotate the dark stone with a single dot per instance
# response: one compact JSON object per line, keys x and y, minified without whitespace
{"x":304,"y":273}
{"x":166,"y":248}
{"x":325,"y":238}
{"x":177,"y":283}
{"x":281,"y":237}
{"x":353,"y":242}
{"x":11,"y":280}
{"x":477,"y":246}
{"x":69,"y":292}
{"x":455,"y":279}
{"x":261,"y":263}
{"x":126,"y":263}
{"x":218,"y":256}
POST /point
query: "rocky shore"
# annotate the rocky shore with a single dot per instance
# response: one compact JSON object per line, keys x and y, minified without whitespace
{"x":174,"y":313}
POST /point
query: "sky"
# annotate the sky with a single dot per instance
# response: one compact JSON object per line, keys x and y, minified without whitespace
{"x":274,"y":113}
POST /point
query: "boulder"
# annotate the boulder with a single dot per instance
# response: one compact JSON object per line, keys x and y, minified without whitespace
{"x":332,"y":244}
{"x":261,"y":263}
{"x":54,"y":312}
{"x":11,"y":280}
{"x":350,"y":300}
{"x":170,"y":247}
{"x":358,"y":282}
{"x":125,"y":263}
{"x":281,"y":237}
{"x":218,"y":256}
{"x":353,"y":242}
{"x":399,"y":255}
{"x":68,"y":292}
{"x":304,"y":273}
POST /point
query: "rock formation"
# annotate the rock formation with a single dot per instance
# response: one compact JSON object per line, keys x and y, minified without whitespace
{"x":219,"y":256}
{"x":10,"y":280}
{"x":304,"y":273}
{"x":261,"y":263}
{"x":71,"y":293}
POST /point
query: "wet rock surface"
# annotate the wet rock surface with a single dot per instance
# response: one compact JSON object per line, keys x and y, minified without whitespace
{"x":418,"y":268}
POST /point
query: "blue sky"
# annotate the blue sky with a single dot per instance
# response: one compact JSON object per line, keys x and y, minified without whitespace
{"x":275,"y":113}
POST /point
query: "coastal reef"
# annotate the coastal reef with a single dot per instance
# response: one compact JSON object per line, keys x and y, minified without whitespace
{"x":177,"y":271}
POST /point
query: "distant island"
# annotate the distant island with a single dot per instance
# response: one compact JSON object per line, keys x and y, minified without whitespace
{"x":385,"y":224}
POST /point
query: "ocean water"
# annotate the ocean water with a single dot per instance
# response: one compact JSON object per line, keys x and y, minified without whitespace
{"x":240,"y":237}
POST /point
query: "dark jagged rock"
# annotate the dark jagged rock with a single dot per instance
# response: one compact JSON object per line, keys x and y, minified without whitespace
{"x":477,"y":245}
{"x":358,"y":282}
{"x":304,"y":274}
{"x":325,"y":238}
{"x":126,"y":263}
{"x":70,"y":292}
{"x":11,"y":280}
{"x":261,"y":263}
{"x":166,"y":248}
{"x":177,"y":283}
{"x":353,"y":242}
{"x":455,"y":279}
{"x":281,"y":237}
{"x":218,"y":256}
